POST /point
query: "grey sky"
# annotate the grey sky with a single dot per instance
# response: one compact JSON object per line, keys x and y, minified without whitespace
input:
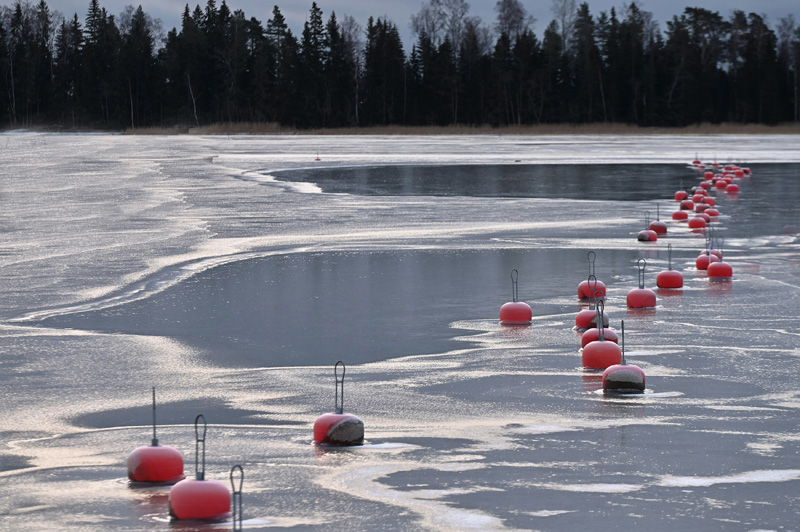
{"x":400,"y":11}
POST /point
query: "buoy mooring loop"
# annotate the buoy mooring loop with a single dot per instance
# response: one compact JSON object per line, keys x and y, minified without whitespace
{"x":339,"y":405}
{"x":200,"y":448}
{"x":641,"y":264}
{"x":236,"y":489}
{"x":591,"y":256}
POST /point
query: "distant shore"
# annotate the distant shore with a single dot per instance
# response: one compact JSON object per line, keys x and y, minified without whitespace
{"x":243,"y":128}
{"x":269,"y":128}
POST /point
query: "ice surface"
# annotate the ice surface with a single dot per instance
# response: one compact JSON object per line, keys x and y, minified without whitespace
{"x":218,"y":270}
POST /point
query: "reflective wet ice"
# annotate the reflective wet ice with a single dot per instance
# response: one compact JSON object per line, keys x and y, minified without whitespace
{"x":201,"y":266}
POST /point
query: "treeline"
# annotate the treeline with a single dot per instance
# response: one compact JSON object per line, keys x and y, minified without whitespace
{"x":220,"y":66}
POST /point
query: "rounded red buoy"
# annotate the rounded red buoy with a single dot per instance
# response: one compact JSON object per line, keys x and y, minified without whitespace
{"x":339,"y":428}
{"x":733,"y":187}
{"x":700,"y":207}
{"x":705,"y":259}
{"x":641,"y":297}
{"x":687,"y":205}
{"x":669,"y":278}
{"x":708,"y":200}
{"x":591,"y":290}
{"x":697,"y":222}
{"x":199,"y":498}
{"x":515,"y":312}
{"x":587,"y":319}
{"x":706,"y":185}
{"x":708,"y":175}
{"x":705,"y":216}
{"x":600,"y":353}
{"x":680,"y":216}
{"x":681,"y":195}
{"x":696,"y":161}
{"x":647,"y":235}
{"x":698,"y":198}
{"x":720,"y":184}
{"x":657,"y":225}
{"x":712,"y":212}
{"x":160,"y":464}
{"x":590,"y":335}
{"x":720,"y":271}
{"x":623,"y":377}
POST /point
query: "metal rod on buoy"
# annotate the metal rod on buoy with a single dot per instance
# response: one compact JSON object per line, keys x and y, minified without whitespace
{"x":591,"y":256}
{"x":339,"y":387}
{"x":200,"y":451}
{"x":514,"y":288}
{"x":154,"y":443}
{"x":647,"y":219}
{"x":658,"y":212}
{"x":236,"y":503}
{"x":622,"y":332}
{"x":641,"y":263}
{"x":600,"y":329}
{"x":669,"y":256}
{"x":592,"y":288}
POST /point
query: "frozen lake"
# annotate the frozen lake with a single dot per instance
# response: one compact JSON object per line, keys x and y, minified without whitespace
{"x":233,"y":272}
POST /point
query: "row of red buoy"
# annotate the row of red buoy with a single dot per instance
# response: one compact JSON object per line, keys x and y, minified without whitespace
{"x":204,"y":499}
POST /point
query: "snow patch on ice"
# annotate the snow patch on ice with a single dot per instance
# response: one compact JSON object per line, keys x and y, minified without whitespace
{"x":747,"y":477}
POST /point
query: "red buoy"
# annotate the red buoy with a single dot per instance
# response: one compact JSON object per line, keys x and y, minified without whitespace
{"x":712,"y":212}
{"x":708,"y":200}
{"x":706,"y":185}
{"x":681,"y":195}
{"x":199,"y":498}
{"x":591,"y":289}
{"x":700,"y":207}
{"x":590,"y":335}
{"x":657,"y":225}
{"x":623,"y":377}
{"x":160,"y":464}
{"x":705,"y":259}
{"x":515,"y":312}
{"x":708,"y":175}
{"x":721,"y":184}
{"x":720,"y":271}
{"x":697,"y":222}
{"x":680,"y":216}
{"x":587,"y":318}
{"x":600,"y":353}
{"x":669,"y":278}
{"x":687,"y":205}
{"x":641,"y":297}
{"x":339,"y":428}
{"x":733,"y":187}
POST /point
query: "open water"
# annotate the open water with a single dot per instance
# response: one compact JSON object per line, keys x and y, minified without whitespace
{"x":233,"y":272}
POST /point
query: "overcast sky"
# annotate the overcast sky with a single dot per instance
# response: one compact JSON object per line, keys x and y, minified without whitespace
{"x":399,"y":11}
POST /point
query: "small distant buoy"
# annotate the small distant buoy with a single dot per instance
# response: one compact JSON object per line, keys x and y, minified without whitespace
{"x":708,"y":200}
{"x":641,"y":297}
{"x":708,"y":175}
{"x":720,"y":184}
{"x":600,"y":353}
{"x":199,"y":498}
{"x":591,"y":290}
{"x":680,"y":216}
{"x":669,"y":278}
{"x":697,"y":222}
{"x":339,"y":428}
{"x":790,"y":229}
{"x":681,"y":195}
{"x":317,"y":158}
{"x":696,"y":161}
{"x":700,"y":207}
{"x":733,"y":187}
{"x":705,"y":216}
{"x":623,"y":377}
{"x":515,"y":312}
{"x":712,"y":212}
{"x":160,"y":464}
{"x":705,"y":259}
{"x":706,"y":185}
{"x":657,"y":225}
{"x":687,"y":205}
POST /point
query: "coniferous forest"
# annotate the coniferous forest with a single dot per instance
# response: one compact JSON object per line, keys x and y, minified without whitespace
{"x":107,"y":71}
